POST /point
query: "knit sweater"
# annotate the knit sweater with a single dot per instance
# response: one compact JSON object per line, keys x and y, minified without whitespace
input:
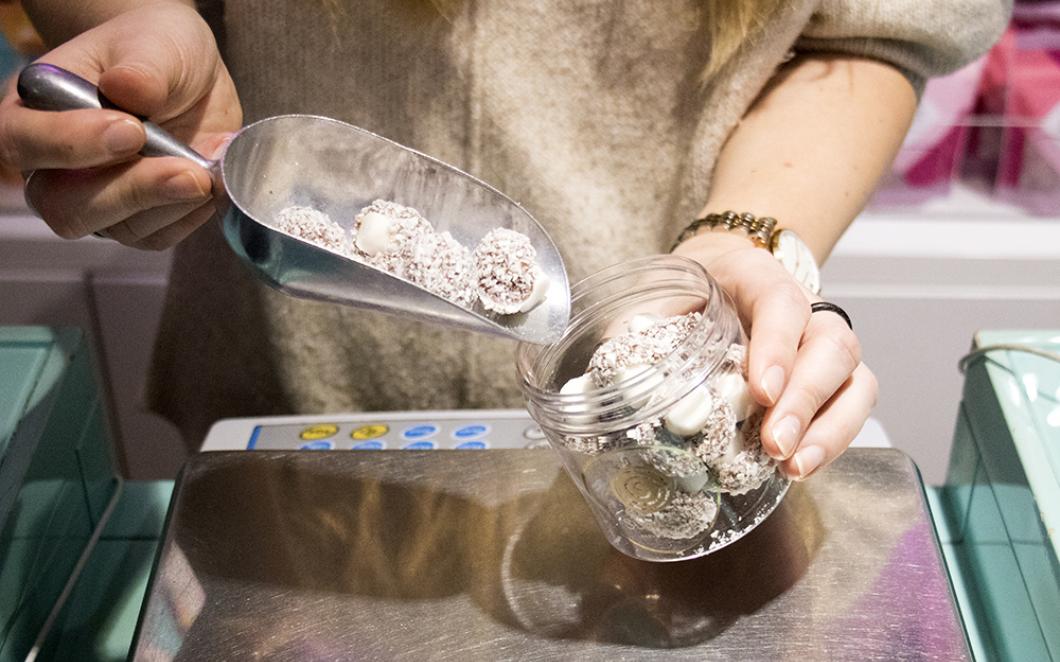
{"x":593,"y":114}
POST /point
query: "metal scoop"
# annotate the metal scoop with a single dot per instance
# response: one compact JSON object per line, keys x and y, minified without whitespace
{"x":339,"y":168}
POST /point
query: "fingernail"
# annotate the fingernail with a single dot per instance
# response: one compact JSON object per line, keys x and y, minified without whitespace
{"x":26,"y":192}
{"x":183,"y":187}
{"x":808,"y":459}
{"x":786,"y":434}
{"x":219,"y":151}
{"x":773,"y":383}
{"x":123,"y":136}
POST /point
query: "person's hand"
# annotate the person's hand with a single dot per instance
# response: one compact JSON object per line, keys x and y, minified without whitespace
{"x":160,"y":62}
{"x":806,"y":369}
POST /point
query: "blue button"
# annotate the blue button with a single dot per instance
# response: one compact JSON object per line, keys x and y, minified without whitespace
{"x":317,"y":446}
{"x":372,"y":445}
{"x":477,"y":445}
{"x":473,"y":431}
{"x":420,"y":431}
{"x":419,"y":446}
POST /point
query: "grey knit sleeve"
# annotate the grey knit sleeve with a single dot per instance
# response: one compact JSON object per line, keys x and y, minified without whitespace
{"x":922,"y":38}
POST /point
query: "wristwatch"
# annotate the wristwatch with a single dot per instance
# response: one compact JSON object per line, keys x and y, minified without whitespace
{"x":784,"y":244}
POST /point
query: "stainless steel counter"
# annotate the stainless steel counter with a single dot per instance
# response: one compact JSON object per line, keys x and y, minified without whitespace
{"x":487,"y":555}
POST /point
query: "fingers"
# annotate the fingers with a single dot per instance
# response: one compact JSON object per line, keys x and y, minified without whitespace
{"x":779,"y":317}
{"x":178,"y":231}
{"x":159,"y":78}
{"x":34,"y":139}
{"x":774,"y":308}
{"x":76,"y":203}
{"x":138,"y":228}
{"x":159,"y":61}
{"x":836,"y":424}
{"x":828,"y":355}
{"x":146,"y":69}
{"x":140,"y":86}
{"x":805,"y":368}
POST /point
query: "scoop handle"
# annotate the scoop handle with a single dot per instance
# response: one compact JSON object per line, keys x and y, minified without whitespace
{"x":44,"y":86}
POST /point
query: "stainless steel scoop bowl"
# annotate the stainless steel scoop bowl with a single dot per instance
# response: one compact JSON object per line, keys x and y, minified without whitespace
{"x":339,"y":168}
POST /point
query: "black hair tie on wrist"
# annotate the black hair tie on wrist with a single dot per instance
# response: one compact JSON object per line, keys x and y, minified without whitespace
{"x":831,"y":308}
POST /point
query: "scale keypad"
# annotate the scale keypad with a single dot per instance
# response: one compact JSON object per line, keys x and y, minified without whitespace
{"x":470,"y":433}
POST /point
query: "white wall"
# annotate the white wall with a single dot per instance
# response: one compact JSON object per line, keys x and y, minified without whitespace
{"x":917,"y":288}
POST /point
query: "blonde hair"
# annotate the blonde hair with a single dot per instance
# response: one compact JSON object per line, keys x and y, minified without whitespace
{"x":732,"y":22}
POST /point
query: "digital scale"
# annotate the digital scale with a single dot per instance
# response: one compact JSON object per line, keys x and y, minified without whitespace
{"x":456,"y":535}
{"x":478,"y":429}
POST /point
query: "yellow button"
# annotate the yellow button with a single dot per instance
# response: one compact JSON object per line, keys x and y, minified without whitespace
{"x":370,"y":431}
{"x":319,"y":431}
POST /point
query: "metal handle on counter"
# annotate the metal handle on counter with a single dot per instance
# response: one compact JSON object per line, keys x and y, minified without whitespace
{"x":48,"y":87}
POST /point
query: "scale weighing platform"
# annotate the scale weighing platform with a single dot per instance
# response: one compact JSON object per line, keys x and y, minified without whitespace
{"x":412,"y":549}
{"x":450,"y":535}
{"x":492,"y":555}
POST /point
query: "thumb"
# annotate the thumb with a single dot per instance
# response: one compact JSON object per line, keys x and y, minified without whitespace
{"x":156,"y":73}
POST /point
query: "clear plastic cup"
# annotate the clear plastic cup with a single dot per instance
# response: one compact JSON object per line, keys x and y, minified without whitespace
{"x":660,"y":490}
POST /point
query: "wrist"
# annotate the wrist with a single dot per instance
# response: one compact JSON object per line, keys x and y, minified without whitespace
{"x":760,"y":232}
{"x":709,"y":244}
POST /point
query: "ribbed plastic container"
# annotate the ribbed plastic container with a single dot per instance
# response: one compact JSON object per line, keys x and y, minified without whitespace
{"x":659,"y":492}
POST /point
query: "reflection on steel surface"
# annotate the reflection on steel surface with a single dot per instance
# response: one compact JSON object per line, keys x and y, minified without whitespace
{"x":493,"y":555}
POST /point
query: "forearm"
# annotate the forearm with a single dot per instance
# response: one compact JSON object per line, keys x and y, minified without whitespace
{"x":59,"y":20}
{"x":813,"y":146}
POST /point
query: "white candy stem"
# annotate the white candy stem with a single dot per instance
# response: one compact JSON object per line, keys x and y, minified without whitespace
{"x":539,"y":291}
{"x":577,"y":386}
{"x":641,"y":322}
{"x":733,"y":388}
{"x":575,"y":413}
{"x":688,"y":416}
{"x":373,"y":234}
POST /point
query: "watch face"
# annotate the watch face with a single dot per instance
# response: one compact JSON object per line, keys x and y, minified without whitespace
{"x":797,"y":258}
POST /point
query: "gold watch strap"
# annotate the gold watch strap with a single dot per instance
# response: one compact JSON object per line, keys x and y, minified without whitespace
{"x":760,"y":230}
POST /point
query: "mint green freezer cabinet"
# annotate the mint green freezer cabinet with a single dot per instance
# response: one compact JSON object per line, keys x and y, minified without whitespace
{"x":56,"y":474}
{"x":1000,"y":506}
